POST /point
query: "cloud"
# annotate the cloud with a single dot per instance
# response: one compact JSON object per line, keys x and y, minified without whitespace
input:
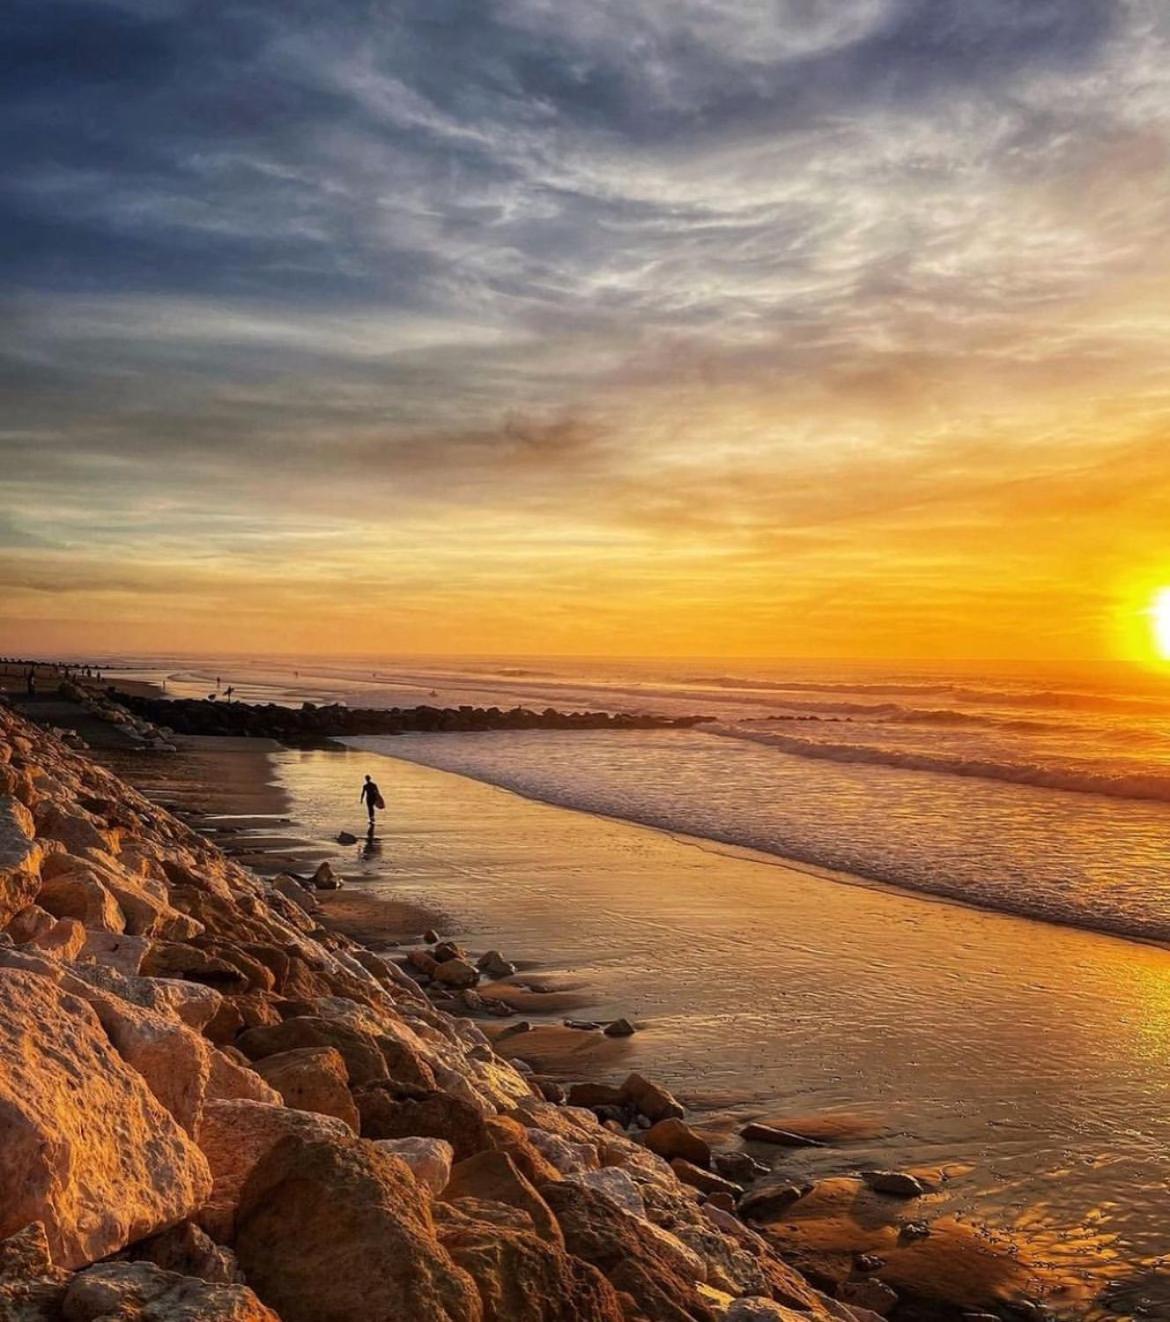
{"x":653,"y":292}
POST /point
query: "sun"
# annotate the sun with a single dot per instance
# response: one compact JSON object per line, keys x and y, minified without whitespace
{"x":1160,"y":617}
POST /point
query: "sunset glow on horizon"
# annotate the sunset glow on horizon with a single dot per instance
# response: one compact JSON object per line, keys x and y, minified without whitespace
{"x":705,"y":328}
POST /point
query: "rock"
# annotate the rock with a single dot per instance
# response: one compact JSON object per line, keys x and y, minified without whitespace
{"x":494,"y":1177}
{"x":176,"y":959}
{"x":346,"y":838}
{"x":508,"y":1135}
{"x":896,"y":1183}
{"x":20,"y":859}
{"x":423,"y":961}
{"x":583,"y":1025}
{"x":29,"y":923}
{"x":522,"y":1278}
{"x":654,"y":1102}
{"x":296,"y":891}
{"x":75,"y":829}
{"x":431,"y":937}
{"x":672,"y":1138}
{"x":740,"y":1167}
{"x":341,"y":1230}
{"x":234,"y":1137}
{"x":64,"y":940}
{"x":456,"y":973}
{"x":364,"y":1061}
{"x":116,"y":951}
{"x":703,"y":1180}
{"x":445,"y":950}
{"x":87,"y":1148}
{"x":391,"y":1112}
{"x":26,"y":1253}
{"x":324,"y":878}
{"x":618,"y":1185}
{"x":312,"y":1079}
{"x":429,"y":1159}
{"x":174,"y":1061}
{"x":187,"y":1250}
{"x":82,"y":896}
{"x":762,"y":1310}
{"x":591,"y":1095}
{"x":770,"y":1201}
{"x":142,"y":1292}
{"x":872,"y":1294}
{"x":757,"y":1133}
{"x":31,"y":1288}
{"x":620,"y":1028}
{"x":494,"y":965}
{"x":724,"y":1201}
{"x":634,"y":1255}
{"x":234,"y":1080}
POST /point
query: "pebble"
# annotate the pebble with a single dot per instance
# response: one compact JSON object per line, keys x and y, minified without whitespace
{"x":620,"y":1028}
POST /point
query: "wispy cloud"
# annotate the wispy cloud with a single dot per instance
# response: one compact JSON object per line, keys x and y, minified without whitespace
{"x":686,"y":311}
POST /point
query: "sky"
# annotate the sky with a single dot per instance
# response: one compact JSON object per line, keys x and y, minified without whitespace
{"x":630,"y":327}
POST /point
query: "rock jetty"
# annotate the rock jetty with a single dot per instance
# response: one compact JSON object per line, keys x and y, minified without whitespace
{"x":311,"y":722}
{"x":213,"y":1108}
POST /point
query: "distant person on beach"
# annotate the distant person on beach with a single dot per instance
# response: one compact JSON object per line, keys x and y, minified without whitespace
{"x":30,"y":684}
{"x":371,"y":796}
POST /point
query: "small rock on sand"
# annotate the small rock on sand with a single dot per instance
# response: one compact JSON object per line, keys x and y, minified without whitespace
{"x":738,"y":1166}
{"x":672,"y":1138}
{"x":772,"y":1200}
{"x":896,"y":1183}
{"x":456,"y":973}
{"x":620,"y":1028}
{"x":345,"y":838}
{"x":494,"y":965}
{"x":653,"y":1101}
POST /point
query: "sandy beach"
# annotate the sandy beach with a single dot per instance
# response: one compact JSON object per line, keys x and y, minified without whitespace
{"x":902,"y":1032}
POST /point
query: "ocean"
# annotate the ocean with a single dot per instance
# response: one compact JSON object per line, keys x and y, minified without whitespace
{"x":1041,"y":793}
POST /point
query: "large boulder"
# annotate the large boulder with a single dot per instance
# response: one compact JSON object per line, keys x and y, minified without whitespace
{"x":428,"y":1158}
{"x":85,"y":1146}
{"x":628,"y":1252}
{"x":494,"y":1177}
{"x":364,"y":1062}
{"x":312,"y":1079}
{"x":522,"y":1278}
{"x":80,"y":894}
{"x":173,"y":1059}
{"x":339,"y":1231}
{"x":390,"y":1112}
{"x":142,"y":1292}
{"x":20,"y":859}
{"x":235,"y":1136}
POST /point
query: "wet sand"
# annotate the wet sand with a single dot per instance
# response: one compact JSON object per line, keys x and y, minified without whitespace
{"x":1025,"y":1061}
{"x":1020,"y":1065}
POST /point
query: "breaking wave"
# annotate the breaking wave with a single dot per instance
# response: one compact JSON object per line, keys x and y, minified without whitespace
{"x":1147,"y":785}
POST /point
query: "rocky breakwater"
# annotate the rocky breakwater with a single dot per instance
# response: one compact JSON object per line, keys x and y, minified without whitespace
{"x":212,"y":1108}
{"x":312,"y":722}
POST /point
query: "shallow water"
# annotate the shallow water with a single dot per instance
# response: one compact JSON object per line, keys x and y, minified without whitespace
{"x":1038,"y":793}
{"x":1037,"y":1056}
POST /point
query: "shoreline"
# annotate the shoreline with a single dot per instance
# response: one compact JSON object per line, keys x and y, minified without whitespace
{"x":794,"y":863}
{"x":570,"y":1054}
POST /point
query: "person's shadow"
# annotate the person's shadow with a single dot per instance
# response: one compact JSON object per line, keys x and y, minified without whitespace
{"x":372,"y":848}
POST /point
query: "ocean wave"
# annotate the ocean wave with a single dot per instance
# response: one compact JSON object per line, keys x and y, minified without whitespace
{"x":955,"y":691}
{"x":1144,"y":785}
